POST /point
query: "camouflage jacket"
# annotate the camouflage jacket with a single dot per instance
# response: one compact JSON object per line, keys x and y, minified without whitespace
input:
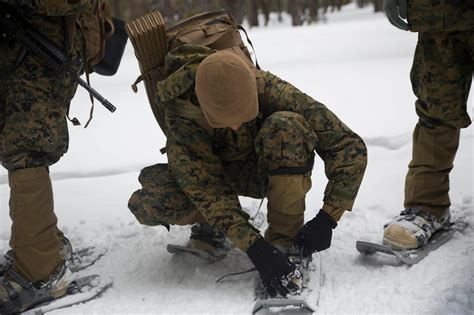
{"x":52,"y":7}
{"x":440,"y":15}
{"x":202,"y":159}
{"x":55,"y":19}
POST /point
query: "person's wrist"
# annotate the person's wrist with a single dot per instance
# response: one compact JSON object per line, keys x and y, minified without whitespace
{"x":327,"y":218}
{"x":258,"y":250}
{"x":335,"y":212}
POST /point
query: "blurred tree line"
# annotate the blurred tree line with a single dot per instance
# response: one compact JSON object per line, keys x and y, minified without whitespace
{"x":301,"y":11}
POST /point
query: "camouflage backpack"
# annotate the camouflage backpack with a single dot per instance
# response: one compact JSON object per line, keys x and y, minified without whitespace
{"x":186,"y":43}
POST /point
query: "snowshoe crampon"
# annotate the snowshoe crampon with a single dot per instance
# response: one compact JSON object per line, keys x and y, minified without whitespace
{"x":79,"y":291}
{"x":281,"y":306}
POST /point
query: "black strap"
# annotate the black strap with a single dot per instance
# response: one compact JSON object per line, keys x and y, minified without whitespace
{"x":236,"y":274}
{"x":292,"y":170}
{"x":240,"y":27}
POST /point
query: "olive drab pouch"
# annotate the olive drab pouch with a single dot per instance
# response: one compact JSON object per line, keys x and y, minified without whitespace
{"x":212,"y":31}
{"x":96,"y":26}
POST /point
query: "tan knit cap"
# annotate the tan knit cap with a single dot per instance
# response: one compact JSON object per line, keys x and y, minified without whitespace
{"x":227,"y":90}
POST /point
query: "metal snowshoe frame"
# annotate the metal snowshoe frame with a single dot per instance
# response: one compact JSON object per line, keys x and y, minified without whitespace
{"x":281,"y":306}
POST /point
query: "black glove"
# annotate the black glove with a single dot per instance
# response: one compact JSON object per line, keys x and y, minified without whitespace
{"x":316,"y":234}
{"x":396,"y":12}
{"x":274,"y":268}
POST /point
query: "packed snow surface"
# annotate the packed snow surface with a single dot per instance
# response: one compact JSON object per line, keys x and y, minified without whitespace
{"x":358,"y":65}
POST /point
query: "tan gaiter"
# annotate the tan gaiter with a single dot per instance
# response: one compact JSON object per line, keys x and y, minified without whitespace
{"x":427,"y":181}
{"x":34,"y":235}
{"x":286,"y":205}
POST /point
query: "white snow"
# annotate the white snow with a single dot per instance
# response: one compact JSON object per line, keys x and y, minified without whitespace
{"x":358,"y":65}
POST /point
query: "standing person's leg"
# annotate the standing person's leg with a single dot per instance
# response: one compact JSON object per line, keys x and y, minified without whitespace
{"x":441,"y":78}
{"x":34,"y":136}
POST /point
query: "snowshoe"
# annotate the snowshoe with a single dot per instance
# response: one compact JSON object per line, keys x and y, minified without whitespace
{"x":205,"y":242}
{"x":17,"y":294}
{"x":295,"y":303}
{"x":413,"y":256}
{"x":80,"y":290}
{"x":303,"y":268}
{"x":281,"y":306}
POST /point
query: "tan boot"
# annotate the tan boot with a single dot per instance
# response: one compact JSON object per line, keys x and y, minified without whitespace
{"x":413,"y":228}
{"x":286,"y":206}
{"x":34,"y":235}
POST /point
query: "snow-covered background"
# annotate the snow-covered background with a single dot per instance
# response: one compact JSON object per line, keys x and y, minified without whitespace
{"x":358,"y":65}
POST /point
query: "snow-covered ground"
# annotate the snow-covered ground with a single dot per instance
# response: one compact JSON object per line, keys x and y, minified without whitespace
{"x":358,"y":65}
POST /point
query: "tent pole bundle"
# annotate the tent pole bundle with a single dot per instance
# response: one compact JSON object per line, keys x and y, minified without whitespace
{"x":148,"y":37}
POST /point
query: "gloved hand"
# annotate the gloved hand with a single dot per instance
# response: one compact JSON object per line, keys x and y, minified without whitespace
{"x":396,"y":11}
{"x":316,"y":234}
{"x":276,"y":271}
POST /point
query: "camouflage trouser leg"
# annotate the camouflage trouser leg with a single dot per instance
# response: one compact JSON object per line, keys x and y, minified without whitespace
{"x":161,"y":201}
{"x":288,"y":142}
{"x":441,"y":77}
{"x":33,"y":136}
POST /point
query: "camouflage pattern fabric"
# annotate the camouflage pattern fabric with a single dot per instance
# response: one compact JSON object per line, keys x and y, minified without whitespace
{"x":161,"y":201}
{"x":180,"y":68}
{"x":33,"y":103}
{"x":52,"y":7}
{"x":441,"y":77}
{"x":212,"y":169}
{"x":448,"y":15}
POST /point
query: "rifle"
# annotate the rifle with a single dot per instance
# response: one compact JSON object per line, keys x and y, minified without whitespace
{"x":53,"y":57}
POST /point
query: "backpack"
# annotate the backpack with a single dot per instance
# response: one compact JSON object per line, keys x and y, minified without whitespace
{"x":97,"y":27}
{"x":93,"y":19}
{"x":191,"y":40}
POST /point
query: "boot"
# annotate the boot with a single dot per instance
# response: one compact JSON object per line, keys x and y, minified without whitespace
{"x":66,"y":254}
{"x":34,"y":235}
{"x":413,"y":228}
{"x":206,"y":238}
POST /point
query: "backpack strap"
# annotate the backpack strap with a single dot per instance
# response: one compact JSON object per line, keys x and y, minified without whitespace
{"x":240,"y":27}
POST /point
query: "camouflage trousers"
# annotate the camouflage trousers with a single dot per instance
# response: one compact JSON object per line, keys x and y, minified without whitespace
{"x":441,"y":78}
{"x":33,"y":105}
{"x":279,"y":168}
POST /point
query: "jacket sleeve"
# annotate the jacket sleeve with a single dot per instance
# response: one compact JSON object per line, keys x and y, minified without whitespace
{"x":200,"y":175}
{"x":343,"y":152}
